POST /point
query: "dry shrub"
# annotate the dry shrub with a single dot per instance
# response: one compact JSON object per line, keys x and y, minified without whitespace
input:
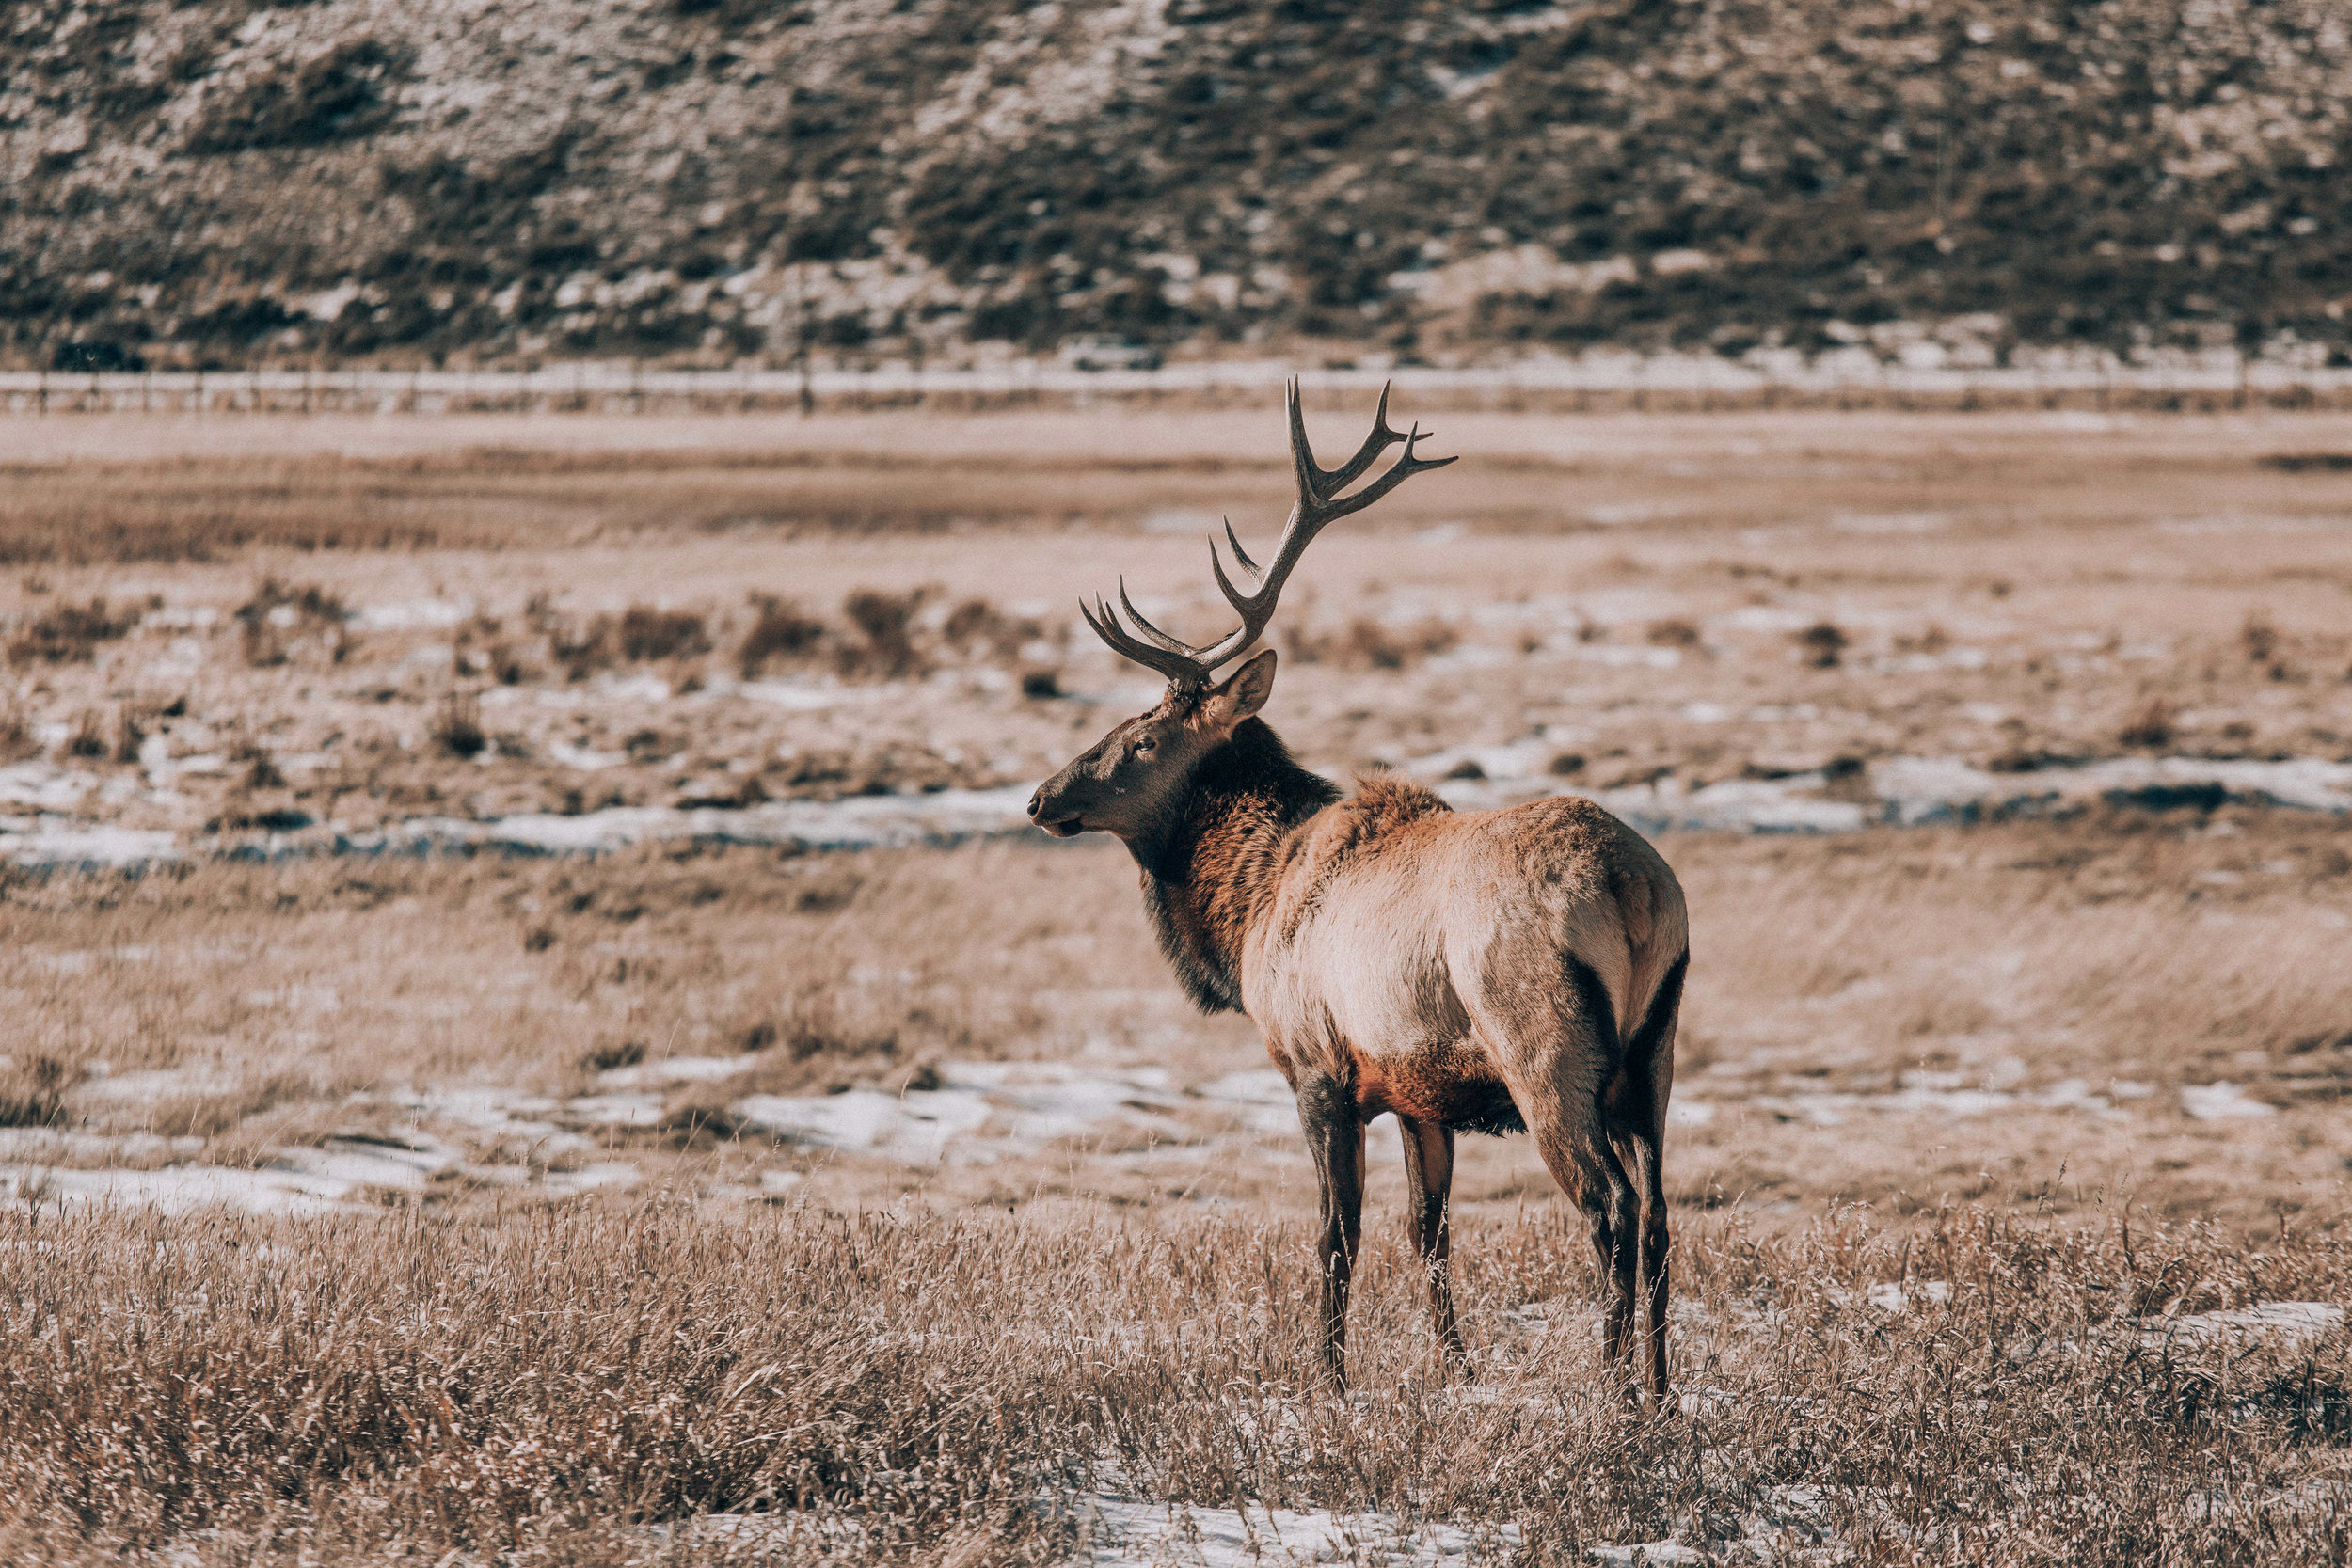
{"x":458,"y":726}
{"x":261,"y":769}
{"x":780,"y":633}
{"x":130,"y":722}
{"x":279,"y":617}
{"x":580,"y":654}
{"x":649,"y":746}
{"x":883,"y":647}
{"x":509,"y":664}
{"x":33,"y":1094}
{"x":2260,"y":638}
{"x":646,"y":635}
{"x":825,"y":1024}
{"x":640,"y":635}
{"x":1821,"y":645}
{"x":1932,"y":639}
{"x":606,"y":1058}
{"x":17,"y":741}
{"x":1675,"y":633}
{"x":70,"y":634}
{"x":1366,"y":644}
{"x":883,"y":636}
{"x":89,"y":739}
{"x":2151,"y":726}
{"x":977,"y":629}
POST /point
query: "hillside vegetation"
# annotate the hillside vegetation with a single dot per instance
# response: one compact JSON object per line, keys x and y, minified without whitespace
{"x":225,"y":183}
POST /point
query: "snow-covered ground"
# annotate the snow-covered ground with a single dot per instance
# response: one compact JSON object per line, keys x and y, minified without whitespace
{"x":1895,"y":791}
{"x":410,"y":1143}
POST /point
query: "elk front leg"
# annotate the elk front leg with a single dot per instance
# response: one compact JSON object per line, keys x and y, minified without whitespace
{"x":1335,"y":1136}
{"x":1428,"y":1187}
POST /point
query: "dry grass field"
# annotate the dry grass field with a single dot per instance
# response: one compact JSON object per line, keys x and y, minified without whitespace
{"x":688,"y":1190}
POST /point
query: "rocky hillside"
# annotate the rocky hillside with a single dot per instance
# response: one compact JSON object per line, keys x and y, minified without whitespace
{"x":401,"y":181}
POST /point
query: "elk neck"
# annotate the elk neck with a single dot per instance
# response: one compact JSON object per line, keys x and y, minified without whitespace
{"x":1211,"y":865}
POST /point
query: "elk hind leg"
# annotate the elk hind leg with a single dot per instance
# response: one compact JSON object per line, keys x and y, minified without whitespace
{"x":1570,"y":1137}
{"x":1577,"y":1154}
{"x":1637,"y":1152}
{"x":1635,"y":1109}
{"x":1428,"y":1189}
{"x":1335,"y":1137}
{"x":1557,"y":1091}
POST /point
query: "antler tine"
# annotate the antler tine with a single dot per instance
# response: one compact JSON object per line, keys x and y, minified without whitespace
{"x":1239,"y":554}
{"x":1380,"y":441}
{"x":1316,"y":510}
{"x":1179,"y":668}
{"x":1403,"y":469}
{"x":1235,"y":597}
{"x":1310,"y":478}
{"x":1319,"y":504}
{"x":1331,"y":482}
{"x":1151,"y":634}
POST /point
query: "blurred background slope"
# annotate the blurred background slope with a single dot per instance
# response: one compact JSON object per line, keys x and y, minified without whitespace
{"x":704,"y":180}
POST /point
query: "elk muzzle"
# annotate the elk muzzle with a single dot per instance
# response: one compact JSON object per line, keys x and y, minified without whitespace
{"x":1051,"y":812}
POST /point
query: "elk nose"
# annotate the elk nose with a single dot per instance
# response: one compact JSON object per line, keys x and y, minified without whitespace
{"x":1037,"y":801}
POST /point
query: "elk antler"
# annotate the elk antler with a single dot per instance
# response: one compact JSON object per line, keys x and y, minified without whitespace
{"x":1319,"y":504}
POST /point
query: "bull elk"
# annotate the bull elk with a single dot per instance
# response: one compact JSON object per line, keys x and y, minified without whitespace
{"x":1489,"y":972}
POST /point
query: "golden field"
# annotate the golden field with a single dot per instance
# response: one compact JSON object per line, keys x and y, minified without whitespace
{"x":699,"y":1193}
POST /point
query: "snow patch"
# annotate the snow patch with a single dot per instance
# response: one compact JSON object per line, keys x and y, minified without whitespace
{"x":1897,"y":1298}
{"x":52,"y":842}
{"x":44,"y":785}
{"x":1127,"y":1535}
{"x":413,"y":614}
{"x":2222,"y":1101}
{"x":1269,"y":1105}
{"x":676,"y":1069}
{"x":2293,"y":1324}
{"x":1649,"y":1554}
{"x":913,"y":1128}
{"x":639,"y":688}
{"x":179,"y":1189}
{"x":1834,"y":1109}
{"x":1026,"y":1105}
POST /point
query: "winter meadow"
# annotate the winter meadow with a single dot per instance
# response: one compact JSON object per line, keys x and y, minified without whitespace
{"x":560,"y":1005}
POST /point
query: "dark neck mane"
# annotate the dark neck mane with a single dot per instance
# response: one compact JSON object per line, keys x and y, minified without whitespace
{"x":1208,"y":871}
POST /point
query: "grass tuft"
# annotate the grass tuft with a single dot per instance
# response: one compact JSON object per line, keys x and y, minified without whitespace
{"x":70,"y":634}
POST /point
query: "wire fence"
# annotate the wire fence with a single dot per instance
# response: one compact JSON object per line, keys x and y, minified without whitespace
{"x":1856,"y":381}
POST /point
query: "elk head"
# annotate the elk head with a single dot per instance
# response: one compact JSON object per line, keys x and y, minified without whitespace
{"x":1125,"y":782}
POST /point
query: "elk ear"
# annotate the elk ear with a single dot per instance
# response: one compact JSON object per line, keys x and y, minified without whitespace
{"x":1243,"y":695}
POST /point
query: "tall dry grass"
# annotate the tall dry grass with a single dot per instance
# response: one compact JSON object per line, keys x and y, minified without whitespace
{"x":572,"y":1387}
{"x":2151,"y":951}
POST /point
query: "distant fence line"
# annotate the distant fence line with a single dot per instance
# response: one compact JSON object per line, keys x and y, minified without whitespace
{"x":1664,"y":384}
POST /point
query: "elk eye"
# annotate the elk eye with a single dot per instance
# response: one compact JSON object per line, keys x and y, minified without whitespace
{"x":1143,"y":746}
